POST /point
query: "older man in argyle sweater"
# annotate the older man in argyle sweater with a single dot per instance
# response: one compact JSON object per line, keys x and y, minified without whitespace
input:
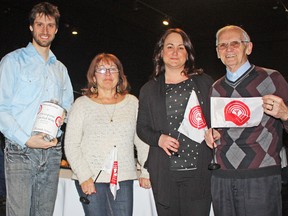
{"x":249,"y":180}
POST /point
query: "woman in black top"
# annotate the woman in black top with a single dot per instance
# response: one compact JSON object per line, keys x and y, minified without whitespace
{"x":177,"y":165}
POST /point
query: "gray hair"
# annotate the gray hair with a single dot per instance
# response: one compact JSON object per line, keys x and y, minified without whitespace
{"x":245,"y":35}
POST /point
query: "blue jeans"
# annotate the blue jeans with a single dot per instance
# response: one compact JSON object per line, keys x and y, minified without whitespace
{"x":31,"y":179}
{"x":2,"y":176}
{"x":102,"y":202}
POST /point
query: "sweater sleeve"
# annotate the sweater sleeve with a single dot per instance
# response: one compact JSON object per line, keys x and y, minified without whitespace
{"x":142,"y":154}
{"x":142,"y":150}
{"x":72,"y":146}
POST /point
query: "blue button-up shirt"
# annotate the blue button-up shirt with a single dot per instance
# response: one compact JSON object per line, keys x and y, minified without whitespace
{"x":27,"y":80}
{"x":233,"y":76}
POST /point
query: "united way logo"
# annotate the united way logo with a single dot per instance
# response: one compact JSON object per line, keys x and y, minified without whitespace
{"x":196,"y":117}
{"x":58,"y":121}
{"x":40,"y":109}
{"x":237,"y":112}
{"x":114,"y":173}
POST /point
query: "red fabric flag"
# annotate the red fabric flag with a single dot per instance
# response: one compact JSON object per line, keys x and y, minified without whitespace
{"x":111,"y":167}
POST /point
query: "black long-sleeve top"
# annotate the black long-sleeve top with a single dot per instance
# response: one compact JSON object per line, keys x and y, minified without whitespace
{"x":152,"y":122}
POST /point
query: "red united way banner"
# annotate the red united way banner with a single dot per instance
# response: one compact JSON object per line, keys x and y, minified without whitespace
{"x":236,"y":112}
{"x":114,"y":186}
{"x":193,"y":124}
{"x":111,"y":167}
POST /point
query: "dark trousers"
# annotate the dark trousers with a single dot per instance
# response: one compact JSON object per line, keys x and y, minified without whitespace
{"x":247,"y":197}
{"x":187,"y":197}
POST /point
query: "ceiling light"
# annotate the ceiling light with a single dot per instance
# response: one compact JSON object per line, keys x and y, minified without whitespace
{"x":166,"y":21}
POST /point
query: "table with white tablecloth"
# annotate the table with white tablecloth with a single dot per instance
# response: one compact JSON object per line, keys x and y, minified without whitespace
{"x":68,"y":204}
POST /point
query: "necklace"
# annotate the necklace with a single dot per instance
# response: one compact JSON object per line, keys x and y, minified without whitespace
{"x":114,"y":108}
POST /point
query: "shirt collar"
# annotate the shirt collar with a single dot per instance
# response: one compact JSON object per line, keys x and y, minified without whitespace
{"x":233,"y":76}
{"x":31,"y":51}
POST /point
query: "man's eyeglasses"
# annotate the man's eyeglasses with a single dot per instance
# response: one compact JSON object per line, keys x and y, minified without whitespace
{"x":103,"y":70}
{"x":233,"y":44}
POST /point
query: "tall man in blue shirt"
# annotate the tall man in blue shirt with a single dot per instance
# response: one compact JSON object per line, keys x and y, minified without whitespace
{"x":28,"y":77}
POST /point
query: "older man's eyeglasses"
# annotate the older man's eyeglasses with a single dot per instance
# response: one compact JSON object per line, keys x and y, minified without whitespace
{"x":233,"y":44}
{"x":103,"y":70}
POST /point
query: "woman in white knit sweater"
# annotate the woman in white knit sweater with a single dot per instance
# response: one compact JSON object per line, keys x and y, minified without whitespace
{"x":101,"y":121}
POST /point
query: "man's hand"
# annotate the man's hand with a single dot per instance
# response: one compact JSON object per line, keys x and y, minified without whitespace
{"x":211,"y":135}
{"x":275,"y":106}
{"x":37,"y":141}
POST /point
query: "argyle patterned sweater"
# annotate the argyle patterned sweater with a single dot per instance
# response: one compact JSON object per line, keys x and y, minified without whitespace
{"x":251,"y":152}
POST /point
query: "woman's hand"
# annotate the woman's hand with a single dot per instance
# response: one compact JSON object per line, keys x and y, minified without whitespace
{"x":88,"y":187}
{"x":145,"y":183}
{"x":211,"y":135}
{"x":168,"y":144}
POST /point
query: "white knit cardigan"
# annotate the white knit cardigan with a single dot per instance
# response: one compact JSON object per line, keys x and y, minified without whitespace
{"x":91,"y":136}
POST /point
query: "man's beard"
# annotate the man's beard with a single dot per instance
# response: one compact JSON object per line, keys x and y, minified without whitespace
{"x":46,"y":43}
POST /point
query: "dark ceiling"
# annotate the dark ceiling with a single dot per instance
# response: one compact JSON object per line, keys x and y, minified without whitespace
{"x":130,"y":29}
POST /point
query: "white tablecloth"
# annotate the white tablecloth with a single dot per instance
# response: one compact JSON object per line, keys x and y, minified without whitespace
{"x":67,"y":200}
{"x":68,"y":204}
